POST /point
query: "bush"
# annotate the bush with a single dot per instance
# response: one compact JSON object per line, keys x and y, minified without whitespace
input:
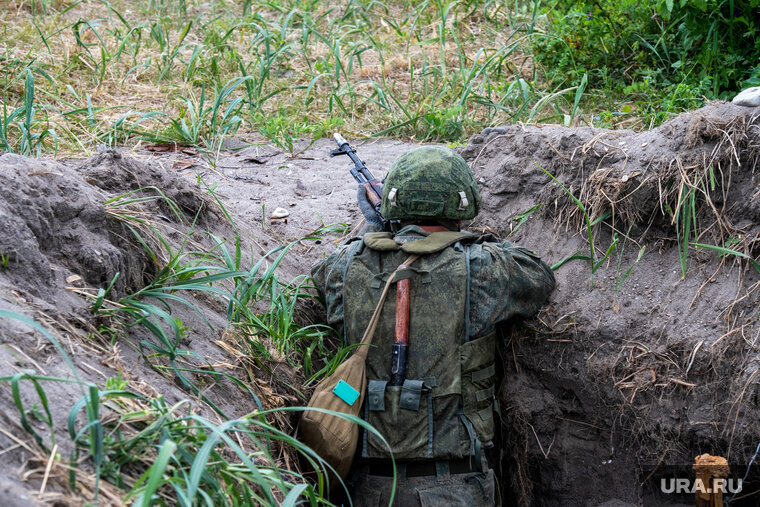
{"x":598,"y":38}
{"x":708,"y":47}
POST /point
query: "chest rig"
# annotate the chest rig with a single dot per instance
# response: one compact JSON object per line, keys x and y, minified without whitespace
{"x":444,"y":408}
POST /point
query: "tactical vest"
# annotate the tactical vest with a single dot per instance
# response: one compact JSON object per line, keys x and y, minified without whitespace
{"x":444,"y":409}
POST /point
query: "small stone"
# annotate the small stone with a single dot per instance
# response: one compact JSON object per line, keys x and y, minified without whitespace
{"x":280,"y":213}
{"x":493,"y":130}
{"x":624,"y":178}
{"x":482,"y":180}
{"x":73,"y":279}
{"x":748,"y":98}
{"x":643,"y":145}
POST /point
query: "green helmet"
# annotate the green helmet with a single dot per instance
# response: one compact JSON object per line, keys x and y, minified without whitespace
{"x":428,"y":183}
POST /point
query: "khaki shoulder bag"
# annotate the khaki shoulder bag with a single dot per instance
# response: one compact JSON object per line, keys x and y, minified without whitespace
{"x":335,"y":438}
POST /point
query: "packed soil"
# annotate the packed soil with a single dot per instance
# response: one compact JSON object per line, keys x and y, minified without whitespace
{"x":624,"y":378}
{"x":645,"y":357}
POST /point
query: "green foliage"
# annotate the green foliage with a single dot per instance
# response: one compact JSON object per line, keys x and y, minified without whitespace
{"x":673,"y":99}
{"x":729,"y":251}
{"x":677,"y":50}
{"x":522,"y":218}
{"x":288,"y":69}
{"x":621,"y":277}
{"x":685,"y":219}
{"x":22,"y":124}
{"x":444,"y":125}
{"x":711,"y":41}
{"x":285,"y":132}
{"x":595,"y":37}
{"x":178,"y":454}
{"x":200,"y":123}
{"x":594,"y":262}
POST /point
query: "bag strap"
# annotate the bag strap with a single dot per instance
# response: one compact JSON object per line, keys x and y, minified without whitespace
{"x":369,"y":333}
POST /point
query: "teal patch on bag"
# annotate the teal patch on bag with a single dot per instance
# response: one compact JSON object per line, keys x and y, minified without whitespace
{"x":345,"y":392}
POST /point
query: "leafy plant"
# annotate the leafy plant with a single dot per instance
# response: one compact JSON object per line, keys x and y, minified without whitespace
{"x":280,"y":131}
{"x":199,"y":124}
{"x":169,"y":52}
{"x":294,"y":70}
{"x":684,"y":50}
{"x":685,"y":221}
{"x":444,"y":125}
{"x":23,"y":120}
{"x":522,"y":218}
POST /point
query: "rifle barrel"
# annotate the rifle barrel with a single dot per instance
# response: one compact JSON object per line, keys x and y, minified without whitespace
{"x":339,"y":139}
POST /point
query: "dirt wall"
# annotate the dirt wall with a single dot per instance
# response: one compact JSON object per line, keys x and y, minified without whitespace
{"x":622,"y":375}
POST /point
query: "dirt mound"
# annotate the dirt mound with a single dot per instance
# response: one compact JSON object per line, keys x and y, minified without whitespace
{"x":38,"y":233}
{"x":66,"y":231}
{"x":648,"y":355}
{"x":634,"y":177}
{"x":117,"y":174}
{"x":59,"y":223}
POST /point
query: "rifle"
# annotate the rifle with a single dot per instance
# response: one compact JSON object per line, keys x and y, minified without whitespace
{"x":373,"y":187}
{"x":374,"y":190}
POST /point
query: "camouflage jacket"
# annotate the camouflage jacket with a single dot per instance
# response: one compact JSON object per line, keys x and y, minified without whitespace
{"x":507,"y":281}
{"x":446,"y":402}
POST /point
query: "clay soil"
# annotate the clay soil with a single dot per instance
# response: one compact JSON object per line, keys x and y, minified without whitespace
{"x":632,"y":368}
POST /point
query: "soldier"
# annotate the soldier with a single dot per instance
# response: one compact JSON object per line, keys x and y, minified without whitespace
{"x":439,"y":416}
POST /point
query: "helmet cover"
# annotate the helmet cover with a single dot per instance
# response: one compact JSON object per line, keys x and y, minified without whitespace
{"x":431,"y":182}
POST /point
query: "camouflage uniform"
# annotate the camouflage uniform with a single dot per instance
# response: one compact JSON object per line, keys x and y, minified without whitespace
{"x":507,"y":281}
{"x":462,"y":285}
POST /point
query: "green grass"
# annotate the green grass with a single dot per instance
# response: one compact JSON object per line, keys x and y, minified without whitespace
{"x":20,"y":131}
{"x":659,"y":57}
{"x":261,"y":308}
{"x":155,"y":453}
{"x":621,"y":276}
{"x":595,"y":262}
{"x":75,"y":75}
{"x":729,"y":251}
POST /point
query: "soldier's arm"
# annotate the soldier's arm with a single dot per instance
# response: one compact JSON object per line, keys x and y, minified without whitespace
{"x":328,"y":278}
{"x":507,"y":281}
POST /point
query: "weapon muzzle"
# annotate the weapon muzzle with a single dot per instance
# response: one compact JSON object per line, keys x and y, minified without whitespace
{"x":339,"y":139}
